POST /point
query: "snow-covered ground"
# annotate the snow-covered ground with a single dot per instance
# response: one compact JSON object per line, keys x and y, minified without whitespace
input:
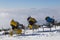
{"x":36,"y":35}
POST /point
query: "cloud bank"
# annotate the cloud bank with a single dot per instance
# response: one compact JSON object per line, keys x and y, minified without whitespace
{"x":21,"y":15}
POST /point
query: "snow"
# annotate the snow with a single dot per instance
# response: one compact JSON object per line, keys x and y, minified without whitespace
{"x":36,"y":35}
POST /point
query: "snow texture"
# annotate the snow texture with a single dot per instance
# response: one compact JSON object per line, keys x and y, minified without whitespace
{"x":35,"y":35}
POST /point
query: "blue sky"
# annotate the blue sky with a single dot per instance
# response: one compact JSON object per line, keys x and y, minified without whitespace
{"x":29,"y":3}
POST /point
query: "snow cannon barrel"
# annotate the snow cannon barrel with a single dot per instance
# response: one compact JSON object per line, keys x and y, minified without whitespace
{"x":50,"y":20}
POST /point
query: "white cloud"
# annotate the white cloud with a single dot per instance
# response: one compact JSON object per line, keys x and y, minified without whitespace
{"x":4,"y":19}
{"x":3,"y":14}
{"x":21,"y":15}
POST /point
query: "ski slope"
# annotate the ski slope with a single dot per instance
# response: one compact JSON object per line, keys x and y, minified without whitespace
{"x":34,"y":35}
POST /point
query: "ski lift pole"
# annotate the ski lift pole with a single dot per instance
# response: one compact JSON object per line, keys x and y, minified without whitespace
{"x":33,"y":28}
{"x":43,"y":28}
{"x":24,"y":29}
{"x":55,"y":24}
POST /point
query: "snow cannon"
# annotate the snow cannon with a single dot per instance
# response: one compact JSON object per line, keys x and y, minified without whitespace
{"x":50,"y":20}
{"x":13,"y":23}
{"x":35,"y":26}
{"x":16,"y":27}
